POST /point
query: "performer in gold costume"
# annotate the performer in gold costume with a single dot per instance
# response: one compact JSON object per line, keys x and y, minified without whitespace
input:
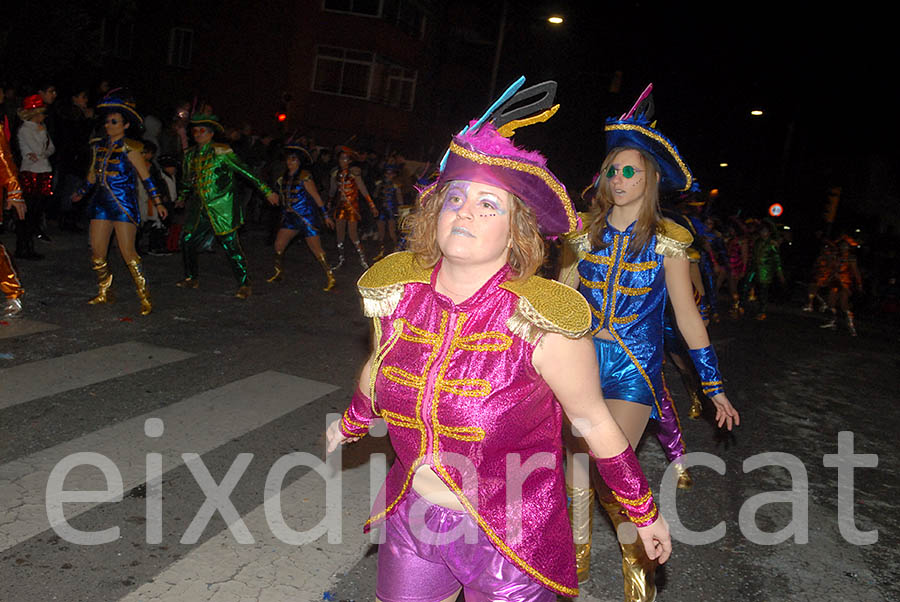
{"x":9,"y":280}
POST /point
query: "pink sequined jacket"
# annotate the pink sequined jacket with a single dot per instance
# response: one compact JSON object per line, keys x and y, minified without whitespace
{"x":457,"y":389}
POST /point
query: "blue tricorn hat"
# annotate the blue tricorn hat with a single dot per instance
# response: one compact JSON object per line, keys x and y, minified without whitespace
{"x":120,"y":101}
{"x":293,"y":147}
{"x":635,"y":130}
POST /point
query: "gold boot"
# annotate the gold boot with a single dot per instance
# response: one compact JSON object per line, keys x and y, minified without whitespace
{"x":637,"y":569}
{"x":380,"y":254}
{"x":329,"y":275}
{"x":140,"y":285}
{"x":279,"y":268}
{"x":188,"y":283}
{"x":104,"y":281}
{"x":685,"y":481}
{"x":581,"y":517}
{"x":696,"y":409}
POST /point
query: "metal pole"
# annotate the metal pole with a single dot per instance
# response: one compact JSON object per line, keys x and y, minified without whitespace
{"x":498,"y":50}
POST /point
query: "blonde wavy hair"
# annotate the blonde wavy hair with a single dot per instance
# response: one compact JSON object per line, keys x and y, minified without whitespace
{"x":526,"y":251}
{"x":649,"y":218}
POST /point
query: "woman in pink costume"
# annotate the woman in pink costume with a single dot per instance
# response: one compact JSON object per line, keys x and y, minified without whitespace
{"x":472,"y":352}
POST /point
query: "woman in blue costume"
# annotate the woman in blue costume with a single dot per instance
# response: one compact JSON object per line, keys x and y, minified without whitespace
{"x":390,"y":197}
{"x":626,"y":262}
{"x":113,"y":176}
{"x":302,"y":212}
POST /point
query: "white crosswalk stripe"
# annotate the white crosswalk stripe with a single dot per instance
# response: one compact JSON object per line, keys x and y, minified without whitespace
{"x":19,"y":327}
{"x":223,"y":413}
{"x":30,"y":381}
{"x":270,"y":569}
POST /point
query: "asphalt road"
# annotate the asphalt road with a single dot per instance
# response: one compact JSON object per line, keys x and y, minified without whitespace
{"x":223,"y":378}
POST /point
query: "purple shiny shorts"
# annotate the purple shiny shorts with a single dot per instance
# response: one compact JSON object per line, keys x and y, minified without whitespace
{"x":430,"y":551}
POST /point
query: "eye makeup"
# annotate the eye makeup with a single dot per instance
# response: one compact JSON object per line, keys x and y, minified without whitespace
{"x":456,"y":196}
{"x":488,"y":205}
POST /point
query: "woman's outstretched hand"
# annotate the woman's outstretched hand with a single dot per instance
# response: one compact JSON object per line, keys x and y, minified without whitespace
{"x":657,"y":541}
{"x":334,"y":437}
{"x":725,"y":412}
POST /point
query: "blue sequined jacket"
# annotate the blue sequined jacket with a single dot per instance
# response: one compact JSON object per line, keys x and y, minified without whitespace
{"x":627,"y":292}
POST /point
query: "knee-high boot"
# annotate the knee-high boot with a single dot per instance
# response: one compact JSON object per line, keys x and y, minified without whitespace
{"x":581,"y":516}
{"x":104,"y":281}
{"x":670,"y":436}
{"x":736,"y":310}
{"x":140,"y":285}
{"x":340,"y":261}
{"x":279,"y":268}
{"x":362,"y":254}
{"x":328,"y":273}
{"x":637,"y":569}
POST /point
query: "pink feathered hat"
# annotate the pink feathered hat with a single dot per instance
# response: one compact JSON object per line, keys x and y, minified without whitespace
{"x":483,"y":153}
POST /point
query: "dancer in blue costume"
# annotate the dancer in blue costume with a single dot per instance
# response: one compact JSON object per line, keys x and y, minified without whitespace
{"x":303,"y":211}
{"x":389,"y":196}
{"x":116,"y":167}
{"x":626,"y":262}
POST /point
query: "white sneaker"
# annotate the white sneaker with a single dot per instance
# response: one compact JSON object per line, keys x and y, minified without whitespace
{"x":11,"y":308}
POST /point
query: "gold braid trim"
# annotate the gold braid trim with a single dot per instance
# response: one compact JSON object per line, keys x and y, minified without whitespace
{"x":498,"y":542}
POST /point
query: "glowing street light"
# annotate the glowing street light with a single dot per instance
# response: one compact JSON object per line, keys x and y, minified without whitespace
{"x":756,"y":112}
{"x":723,"y":164}
{"x":555,"y":19}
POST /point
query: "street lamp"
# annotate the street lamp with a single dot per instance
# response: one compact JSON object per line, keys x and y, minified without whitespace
{"x":756,"y":112}
{"x":498,"y":49}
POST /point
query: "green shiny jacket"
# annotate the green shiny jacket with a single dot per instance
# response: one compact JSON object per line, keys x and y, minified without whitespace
{"x":207,"y":186}
{"x":767,"y":260}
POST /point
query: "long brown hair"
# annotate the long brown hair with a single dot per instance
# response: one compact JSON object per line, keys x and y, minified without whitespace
{"x":649,"y":217}
{"x":526,"y":251}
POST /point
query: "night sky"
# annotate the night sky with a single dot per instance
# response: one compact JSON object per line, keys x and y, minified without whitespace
{"x":824,"y":80}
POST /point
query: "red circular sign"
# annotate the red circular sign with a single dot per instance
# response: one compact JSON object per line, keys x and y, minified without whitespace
{"x":775,"y":210}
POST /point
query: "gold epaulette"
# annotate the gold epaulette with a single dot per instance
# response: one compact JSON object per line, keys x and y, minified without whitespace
{"x":382,"y":285}
{"x":547,"y":306}
{"x":133,"y":145}
{"x":305,"y":175}
{"x":693,"y":255}
{"x":673,"y":240}
{"x":95,"y":140}
{"x":355,"y":171}
{"x":221,"y":148}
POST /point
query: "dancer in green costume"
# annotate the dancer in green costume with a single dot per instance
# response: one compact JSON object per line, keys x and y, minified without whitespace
{"x":207,"y":190}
